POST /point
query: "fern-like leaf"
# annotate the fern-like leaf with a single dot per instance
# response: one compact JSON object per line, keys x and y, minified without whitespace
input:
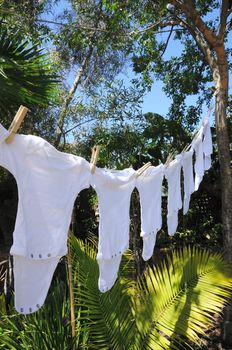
{"x":26,"y":75}
{"x":107,"y":317}
{"x":179,"y":300}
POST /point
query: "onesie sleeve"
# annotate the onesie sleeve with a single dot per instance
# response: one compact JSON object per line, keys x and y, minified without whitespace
{"x":3,"y":135}
{"x":9,"y":153}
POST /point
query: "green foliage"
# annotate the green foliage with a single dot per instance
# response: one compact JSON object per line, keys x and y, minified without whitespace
{"x":49,"y":328}
{"x":22,"y":16}
{"x":26,"y":74}
{"x":169,"y":307}
{"x":2,"y":304}
{"x":106,"y":317}
{"x":90,"y":25}
{"x":132,"y":141}
{"x":180,"y":298}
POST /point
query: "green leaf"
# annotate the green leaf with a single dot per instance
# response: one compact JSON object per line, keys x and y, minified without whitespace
{"x":26,"y":74}
{"x":179,"y":299}
{"x":108,"y":317}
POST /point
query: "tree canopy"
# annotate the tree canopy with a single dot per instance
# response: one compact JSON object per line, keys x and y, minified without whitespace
{"x":91,"y":46}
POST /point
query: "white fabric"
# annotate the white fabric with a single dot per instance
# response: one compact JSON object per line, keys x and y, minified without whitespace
{"x":149,"y":185}
{"x":48,"y":183}
{"x":187,"y":164}
{"x":3,"y":135}
{"x":199,"y":167}
{"x":207,"y":144}
{"x":114,"y":190}
{"x":172,"y":174}
{"x":32,"y":279}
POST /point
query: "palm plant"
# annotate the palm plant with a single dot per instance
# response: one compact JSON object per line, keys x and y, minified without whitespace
{"x":47,"y":329}
{"x":170,"y":307}
{"x":106,"y":317}
{"x":180,"y":299}
{"x":26,"y":74}
{"x":2,"y":279}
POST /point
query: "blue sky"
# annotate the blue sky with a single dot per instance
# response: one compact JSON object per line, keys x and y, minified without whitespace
{"x":155,"y":101}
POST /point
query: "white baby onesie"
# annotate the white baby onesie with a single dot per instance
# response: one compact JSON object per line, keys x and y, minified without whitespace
{"x":187,"y":164}
{"x":48,"y":183}
{"x":172,"y":174}
{"x":32,"y":279}
{"x":114,"y":190}
{"x":199,"y":167}
{"x":207,"y":144}
{"x":149,"y":185}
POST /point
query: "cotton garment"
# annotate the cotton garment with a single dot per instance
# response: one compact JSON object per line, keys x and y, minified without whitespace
{"x":207,"y":144}
{"x":3,"y":134}
{"x":48,"y":183}
{"x":187,"y":164}
{"x":114,"y":188}
{"x":172,"y":174}
{"x":32,"y":279}
{"x":199,"y":166}
{"x":149,"y":185}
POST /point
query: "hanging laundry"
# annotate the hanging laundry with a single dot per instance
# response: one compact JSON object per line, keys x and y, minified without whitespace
{"x":202,"y":145}
{"x":114,"y":189}
{"x":197,"y":146}
{"x":187,"y":164}
{"x":3,"y":135}
{"x":48,"y":183}
{"x":207,"y":144}
{"x":172,"y":174}
{"x":149,"y":185}
{"x":32,"y":279}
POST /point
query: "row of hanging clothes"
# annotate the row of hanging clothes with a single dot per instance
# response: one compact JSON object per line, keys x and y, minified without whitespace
{"x":48,"y":183}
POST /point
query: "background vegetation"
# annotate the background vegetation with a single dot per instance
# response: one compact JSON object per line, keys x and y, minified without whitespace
{"x":65,"y":60}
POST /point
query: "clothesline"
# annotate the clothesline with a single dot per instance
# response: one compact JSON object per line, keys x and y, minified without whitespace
{"x":48,"y":183}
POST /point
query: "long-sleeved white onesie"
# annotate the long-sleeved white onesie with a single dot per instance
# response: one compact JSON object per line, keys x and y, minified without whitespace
{"x":199,"y":168}
{"x":149,"y":185}
{"x":48,"y":182}
{"x":207,"y":144}
{"x":187,"y":163}
{"x":172,"y":174}
{"x":114,"y":188}
{"x":202,"y":145}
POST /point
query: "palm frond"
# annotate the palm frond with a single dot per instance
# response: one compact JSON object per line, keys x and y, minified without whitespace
{"x":107,"y":317}
{"x":179,"y":300}
{"x":26,"y":74}
{"x":49,"y":328}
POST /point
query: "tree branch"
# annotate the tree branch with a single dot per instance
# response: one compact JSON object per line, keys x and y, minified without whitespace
{"x":63,"y":112}
{"x":193,"y":16}
{"x":156,"y":24}
{"x":166,"y":45}
{"x":79,"y":124}
{"x":204,"y":48}
{"x":223,"y":19}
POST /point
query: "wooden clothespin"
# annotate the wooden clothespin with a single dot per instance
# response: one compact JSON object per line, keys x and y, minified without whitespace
{"x":186,"y":147}
{"x":142,"y":169}
{"x":169,"y":159}
{"x":17,"y":121}
{"x":94,"y":157}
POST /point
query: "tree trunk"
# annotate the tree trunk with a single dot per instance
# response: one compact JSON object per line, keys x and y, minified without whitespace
{"x":221,"y":80}
{"x":64,"y":109}
{"x":225,"y":171}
